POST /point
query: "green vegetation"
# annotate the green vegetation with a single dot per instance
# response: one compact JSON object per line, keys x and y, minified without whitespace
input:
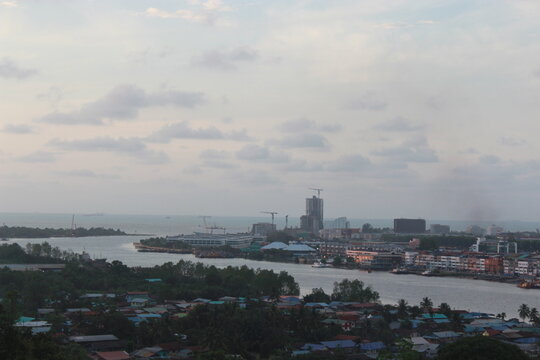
{"x":345,"y":290}
{"x":480,"y":348}
{"x":42,"y":253}
{"x":22,"y":232}
{"x":432,"y":242}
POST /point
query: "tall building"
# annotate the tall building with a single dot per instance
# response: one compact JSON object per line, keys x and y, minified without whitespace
{"x":263,"y":229}
{"x":410,"y":226}
{"x":313,"y":220}
{"x":439,"y":229}
{"x":339,"y":223}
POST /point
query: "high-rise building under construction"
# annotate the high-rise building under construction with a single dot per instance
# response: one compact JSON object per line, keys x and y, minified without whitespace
{"x":313,"y":220}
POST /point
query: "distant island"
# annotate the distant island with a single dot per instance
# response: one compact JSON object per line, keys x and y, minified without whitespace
{"x":18,"y":232}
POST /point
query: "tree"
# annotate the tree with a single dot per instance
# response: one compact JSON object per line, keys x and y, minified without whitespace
{"x":480,"y":348}
{"x":534,"y":316}
{"x":402,"y":308}
{"x":523,"y":311}
{"x":367,"y":228}
{"x":338,"y":261}
{"x":426,"y":304}
{"x":445,"y":309}
{"x":317,"y":295}
{"x":354,"y":290}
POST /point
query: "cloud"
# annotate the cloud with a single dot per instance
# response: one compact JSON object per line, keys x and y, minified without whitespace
{"x":128,"y":146}
{"x":349,"y":163}
{"x":182,"y":130}
{"x":207,"y":12}
{"x":368,"y":101}
{"x":225,"y":59}
{"x":302,"y":140}
{"x":215,"y":159}
{"x":123,"y":103}
{"x":415,"y":151}
{"x":490,"y":159}
{"x":9,"y":4}
{"x":398,"y":124}
{"x":38,"y":157}
{"x":253,"y":152}
{"x":17,"y":129}
{"x":10,"y":70}
{"x":304,"y":124}
{"x":509,"y":141}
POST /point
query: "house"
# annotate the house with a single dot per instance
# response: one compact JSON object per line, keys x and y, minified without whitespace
{"x":98,"y":342}
{"x":112,"y":355}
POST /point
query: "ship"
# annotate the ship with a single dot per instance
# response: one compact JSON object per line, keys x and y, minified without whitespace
{"x":529,"y":284}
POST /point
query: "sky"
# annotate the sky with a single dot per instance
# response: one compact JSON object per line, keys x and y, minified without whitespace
{"x":396,"y":108}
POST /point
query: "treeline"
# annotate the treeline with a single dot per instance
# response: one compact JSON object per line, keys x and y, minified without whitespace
{"x":183,"y":280}
{"x":42,"y":253}
{"x":431,"y":242}
{"x":18,"y":232}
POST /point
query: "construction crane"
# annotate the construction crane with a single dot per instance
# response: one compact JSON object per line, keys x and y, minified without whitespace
{"x":273,"y":213}
{"x":317,"y":190}
{"x":204,"y":218}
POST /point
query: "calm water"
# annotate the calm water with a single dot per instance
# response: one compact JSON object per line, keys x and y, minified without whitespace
{"x":464,"y":294}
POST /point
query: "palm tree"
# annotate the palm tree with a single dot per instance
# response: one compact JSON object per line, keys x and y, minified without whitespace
{"x":501,"y":316}
{"x":523,"y":311}
{"x":534,"y":315}
{"x":402,"y":307}
{"x":426,"y":304}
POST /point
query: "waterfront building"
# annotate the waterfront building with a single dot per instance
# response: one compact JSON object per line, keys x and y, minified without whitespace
{"x":238,"y":241}
{"x":263,"y":229}
{"x":494,"y":246}
{"x":409,"y":226}
{"x":375,"y":260}
{"x":439,"y":229}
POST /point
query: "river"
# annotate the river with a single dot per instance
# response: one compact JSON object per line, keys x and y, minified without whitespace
{"x":473,"y":295}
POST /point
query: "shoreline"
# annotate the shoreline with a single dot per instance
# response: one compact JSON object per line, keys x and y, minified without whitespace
{"x":470,"y":276}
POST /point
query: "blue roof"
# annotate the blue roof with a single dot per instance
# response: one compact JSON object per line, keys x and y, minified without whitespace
{"x":342,"y":344}
{"x":372,"y":346}
{"x":471,"y":329}
{"x":314,"y":347}
{"x":314,"y":304}
{"x":441,"y":321}
{"x":149,"y":316}
{"x":434,"y":316}
{"x":530,"y":340}
{"x":153,"y":280}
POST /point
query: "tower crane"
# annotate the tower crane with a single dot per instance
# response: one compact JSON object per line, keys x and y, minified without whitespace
{"x":317,"y":190}
{"x":273,"y":213}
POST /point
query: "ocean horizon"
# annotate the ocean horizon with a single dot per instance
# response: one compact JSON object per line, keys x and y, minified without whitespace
{"x":183,"y":224}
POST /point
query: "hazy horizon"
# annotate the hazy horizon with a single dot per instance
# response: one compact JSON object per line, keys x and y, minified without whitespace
{"x":396,"y":108}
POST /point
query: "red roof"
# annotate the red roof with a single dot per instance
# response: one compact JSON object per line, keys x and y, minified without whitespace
{"x":113,"y":355}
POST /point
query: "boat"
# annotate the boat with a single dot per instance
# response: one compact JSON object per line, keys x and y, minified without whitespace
{"x":320,"y":265}
{"x":427,"y":273}
{"x":399,"y":271}
{"x":528,"y":285}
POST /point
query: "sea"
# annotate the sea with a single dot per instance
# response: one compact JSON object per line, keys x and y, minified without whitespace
{"x":465,"y":294}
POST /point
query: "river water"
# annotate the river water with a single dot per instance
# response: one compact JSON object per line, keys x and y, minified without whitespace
{"x":473,"y":295}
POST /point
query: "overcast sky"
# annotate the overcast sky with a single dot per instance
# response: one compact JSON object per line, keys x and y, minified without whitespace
{"x":413,"y":108}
